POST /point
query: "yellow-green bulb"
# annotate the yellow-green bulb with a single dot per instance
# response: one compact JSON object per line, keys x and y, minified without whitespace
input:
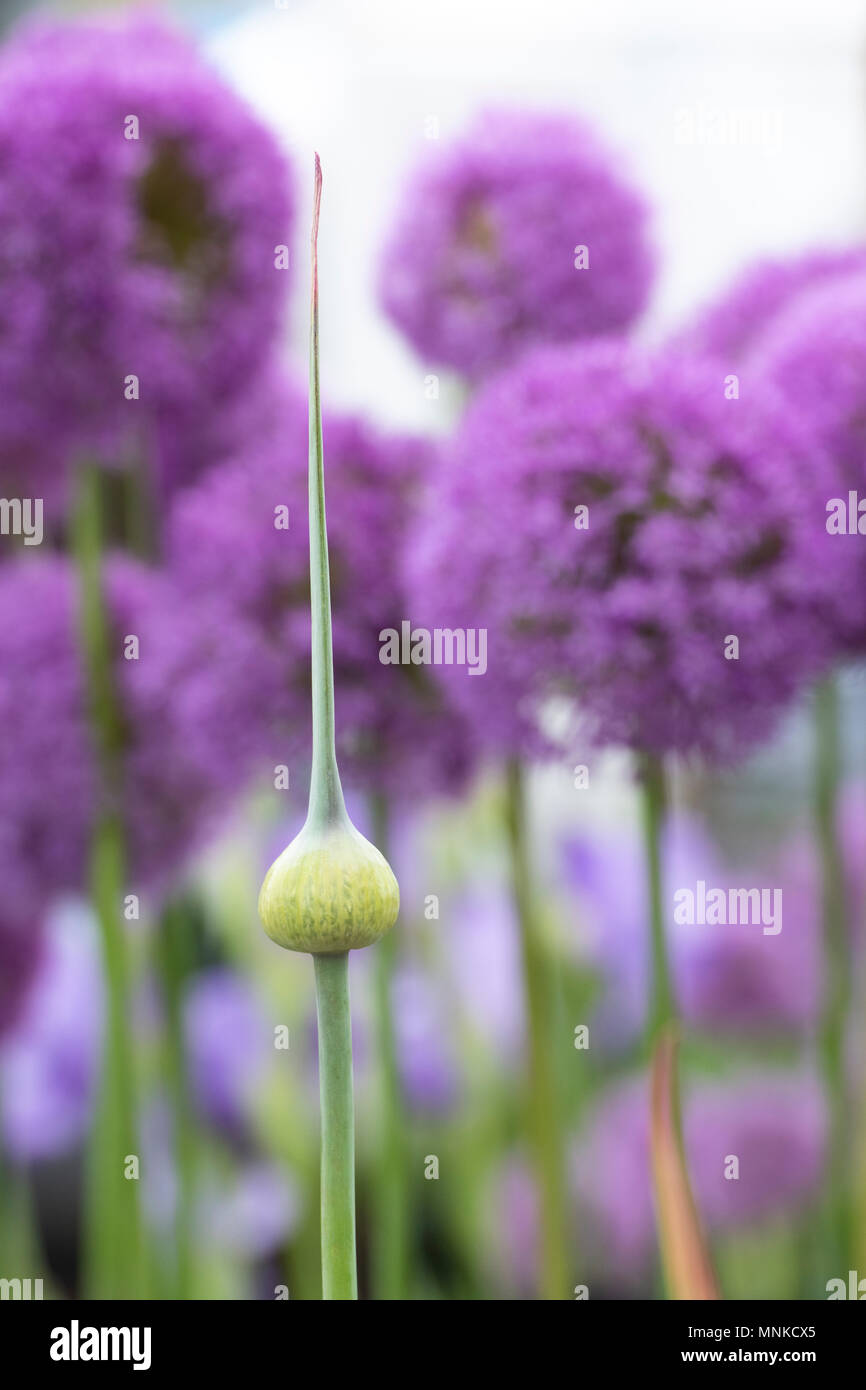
{"x":329,"y":891}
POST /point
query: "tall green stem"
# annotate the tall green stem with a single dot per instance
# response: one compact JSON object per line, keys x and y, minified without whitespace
{"x":837,"y":969}
{"x":684,"y":1255}
{"x":542,"y":1101}
{"x":327,"y":807}
{"x":115,"y":1253}
{"x":339,"y":1268}
{"x":173,"y":961}
{"x":326,"y":794}
{"x":391,"y":1227}
{"x":662,"y":1009}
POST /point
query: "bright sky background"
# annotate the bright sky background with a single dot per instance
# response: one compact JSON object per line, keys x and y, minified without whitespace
{"x":358,"y":79}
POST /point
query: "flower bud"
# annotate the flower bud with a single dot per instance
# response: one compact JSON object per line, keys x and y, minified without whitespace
{"x":329,"y":891}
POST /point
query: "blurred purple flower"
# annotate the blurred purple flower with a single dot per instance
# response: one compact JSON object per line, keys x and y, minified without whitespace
{"x":49,"y":1062}
{"x":255,"y":1215}
{"x":732,"y":325}
{"x":815,"y":353}
{"x":513,"y":1219}
{"x":142,"y":207}
{"x":481,"y":943}
{"x":481,"y":262}
{"x":395,"y":733}
{"x":247,"y":1212}
{"x":228,"y":1044}
{"x":772,"y":1122}
{"x":191,"y":706}
{"x":20,"y":958}
{"x":730,"y":978}
{"x":695,"y":531}
{"x":424,"y":1036}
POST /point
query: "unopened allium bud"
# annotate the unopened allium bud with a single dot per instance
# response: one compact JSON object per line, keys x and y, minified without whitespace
{"x":330,"y":890}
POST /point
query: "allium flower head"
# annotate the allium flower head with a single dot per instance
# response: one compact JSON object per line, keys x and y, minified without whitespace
{"x":483,"y":259}
{"x":228,"y":1044}
{"x":395,"y":732}
{"x":141,"y":205}
{"x":49,"y":1063}
{"x":773,"y":1122}
{"x":21,"y":952}
{"x":730,"y":978}
{"x":732,"y":325}
{"x":612,"y":520}
{"x":815,"y":354}
{"x":191,"y":707}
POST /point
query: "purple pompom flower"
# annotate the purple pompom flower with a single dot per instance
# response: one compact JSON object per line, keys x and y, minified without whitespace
{"x":142,"y":206}
{"x":49,"y":1063}
{"x":395,"y":732}
{"x":20,"y":959}
{"x":613,"y":521}
{"x":424,"y":1034}
{"x":228,"y":1046}
{"x":773,"y":1122}
{"x":732,"y":325}
{"x":190,"y":701}
{"x":523,"y":231}
{"x":731,"y":978}
{"x":815,"y":354}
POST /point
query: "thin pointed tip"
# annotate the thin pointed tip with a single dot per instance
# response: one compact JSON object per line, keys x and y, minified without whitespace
{"x":317,"y":200}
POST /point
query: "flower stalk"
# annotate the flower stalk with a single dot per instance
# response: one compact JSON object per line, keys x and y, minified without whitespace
{"x":542,"y":1102}
{"x":390,"y":1254}
{"x":330,"y":891}
{"x":838,"y":970}
{"x":686,"y":1263}
{"x":114,"y":1235}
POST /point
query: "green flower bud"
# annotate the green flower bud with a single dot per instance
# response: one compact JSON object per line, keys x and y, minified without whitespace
{"x":329,"y":891}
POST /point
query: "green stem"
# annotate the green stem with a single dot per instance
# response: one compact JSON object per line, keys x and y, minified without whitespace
{"x":391,"y":1230}
{"x":326,"y":794}
{"x":662,"y":1016}
{"x":837,"y":969}
{"x":173,"y":938}
{"x":115,"y":1245}
{"x":662,"y":1010}
{"x":542,"y":1101}
{"x":115,"y":1233}
{"x":327,"y":807}
{"x":339,"y":1266}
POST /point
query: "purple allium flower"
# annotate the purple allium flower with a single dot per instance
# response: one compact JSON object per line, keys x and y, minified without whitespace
{"x":731,"y":326}
{"x":255,"y":1215}
{"x":191,"y":707}
{"x":730,"y":978}
{"x":815,"y":353}
{"x":773,"y":1123}
{"x":482,"y":943}
{"x":247,"y":1212}
{"x":49,"y":1063}
{"x":228,"y":1045}
{"x":20,"y":958}
{"x":482,"y":261}
{"x":424,"y":1037}
{"x":514,"y":1220}
{"x":142,"y":205}
{"x":613,"y":520}
{"x":395,"y":732}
